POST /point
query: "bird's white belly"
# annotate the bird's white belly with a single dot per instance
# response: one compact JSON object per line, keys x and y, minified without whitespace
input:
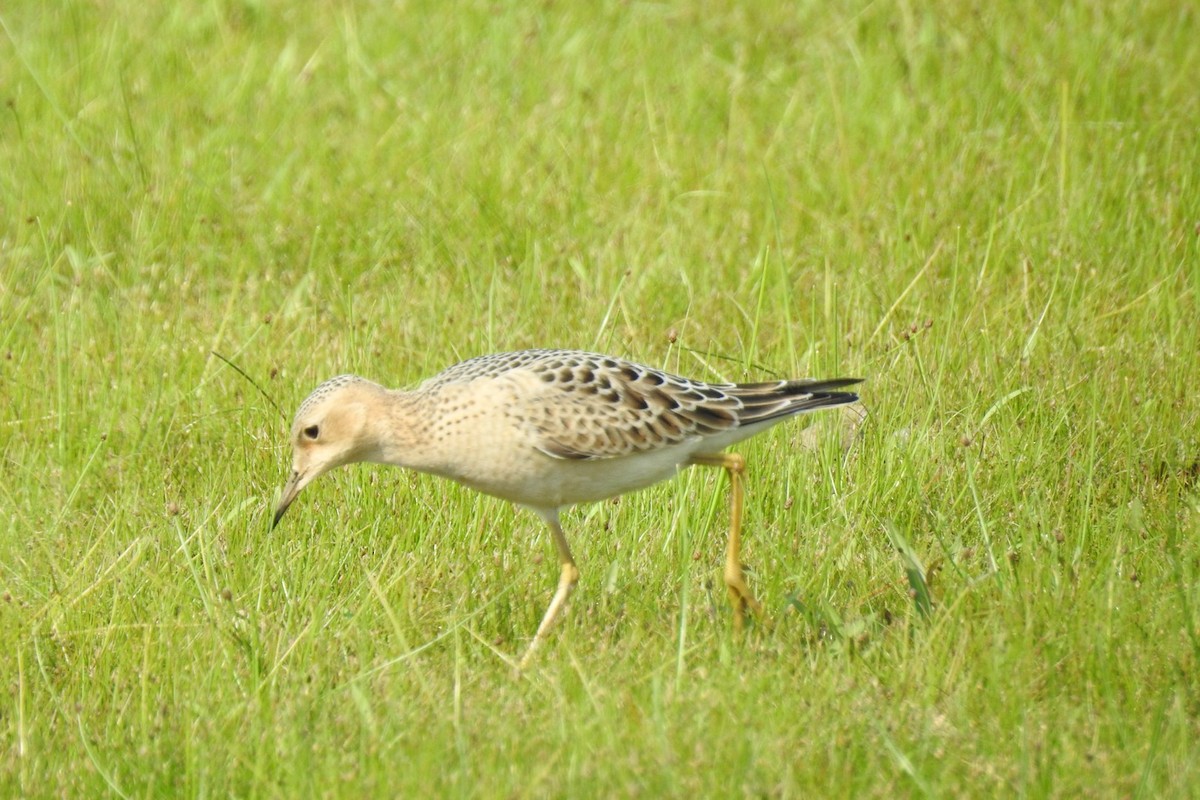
{"x":535,"y":479}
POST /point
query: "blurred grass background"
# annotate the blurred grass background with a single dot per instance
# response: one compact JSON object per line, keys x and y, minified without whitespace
{"x":989,"y":211}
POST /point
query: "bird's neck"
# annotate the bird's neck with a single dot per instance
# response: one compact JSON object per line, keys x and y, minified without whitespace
{"x":403,"y":440}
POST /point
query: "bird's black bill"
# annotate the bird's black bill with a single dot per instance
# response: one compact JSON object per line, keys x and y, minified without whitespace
{"x":293,"y":487}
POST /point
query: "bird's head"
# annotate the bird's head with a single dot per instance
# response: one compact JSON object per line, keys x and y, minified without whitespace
{"x":330,"y":429}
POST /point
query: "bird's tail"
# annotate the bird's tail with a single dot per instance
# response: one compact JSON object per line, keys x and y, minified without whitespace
{"x":762,"y":402}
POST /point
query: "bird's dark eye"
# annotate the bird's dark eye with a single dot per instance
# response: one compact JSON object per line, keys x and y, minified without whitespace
{"x":312,"y":432}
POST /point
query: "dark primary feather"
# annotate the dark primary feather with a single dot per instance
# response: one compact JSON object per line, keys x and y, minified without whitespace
{"x":767,"y":401}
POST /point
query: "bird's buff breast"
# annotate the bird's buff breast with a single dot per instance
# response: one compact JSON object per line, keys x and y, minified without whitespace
{"x":500,"y":453}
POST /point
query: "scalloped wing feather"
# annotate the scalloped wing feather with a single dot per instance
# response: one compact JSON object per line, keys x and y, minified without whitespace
{"x":587,"y":406}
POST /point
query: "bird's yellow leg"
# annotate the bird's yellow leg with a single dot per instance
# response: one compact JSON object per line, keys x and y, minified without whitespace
{"x":568,"y":577}
{"x":735,"y":580}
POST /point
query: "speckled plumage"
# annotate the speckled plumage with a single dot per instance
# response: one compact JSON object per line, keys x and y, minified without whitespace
{"x":590,"y":406}
{"x":325,"y":390}
{"x":548,"y":429}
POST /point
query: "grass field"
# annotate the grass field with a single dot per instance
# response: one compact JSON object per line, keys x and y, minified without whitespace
{"x":989,"y":211}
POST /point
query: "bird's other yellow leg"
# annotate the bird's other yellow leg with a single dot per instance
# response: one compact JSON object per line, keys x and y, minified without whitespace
{"x":735,"y":580}
{"x":567,"y":578}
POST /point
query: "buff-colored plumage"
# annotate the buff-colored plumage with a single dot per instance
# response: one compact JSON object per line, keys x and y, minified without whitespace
{"x":548,"y":429}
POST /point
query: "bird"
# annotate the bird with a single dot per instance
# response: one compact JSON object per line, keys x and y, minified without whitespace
{"x":550,"y":429}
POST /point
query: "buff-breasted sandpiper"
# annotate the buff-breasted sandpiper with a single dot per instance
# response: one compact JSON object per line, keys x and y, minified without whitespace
{"x":548,"y":429}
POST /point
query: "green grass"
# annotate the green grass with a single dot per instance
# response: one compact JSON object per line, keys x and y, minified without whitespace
{"x":734,"y":193}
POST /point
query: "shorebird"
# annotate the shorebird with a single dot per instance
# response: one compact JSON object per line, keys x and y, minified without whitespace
{"x":548,"y":429}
